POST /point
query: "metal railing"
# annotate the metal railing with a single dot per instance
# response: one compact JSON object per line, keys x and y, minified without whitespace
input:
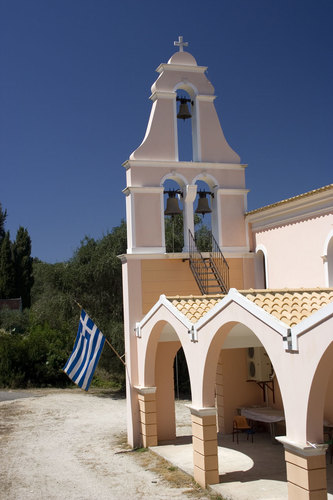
{"x":220,"y":266}
{"x":204,"y":269}
{"x":198,"y":265}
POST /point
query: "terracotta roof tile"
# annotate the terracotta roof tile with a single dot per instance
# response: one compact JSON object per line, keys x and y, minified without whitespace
{"x":289,"y":306}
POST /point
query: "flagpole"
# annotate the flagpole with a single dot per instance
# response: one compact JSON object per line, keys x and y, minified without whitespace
{"x":106,"y":340}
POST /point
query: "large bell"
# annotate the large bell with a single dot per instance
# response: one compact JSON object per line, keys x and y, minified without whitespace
{"x":203,"y":205}
{"x":183,"y":112}
{"x":172,"y":207}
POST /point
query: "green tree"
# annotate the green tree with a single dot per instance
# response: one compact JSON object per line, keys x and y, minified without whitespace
{"x":23,"y":266}
{"x":174,"y":236}
{"x":3,"y":216}
{"x":7,"y":271}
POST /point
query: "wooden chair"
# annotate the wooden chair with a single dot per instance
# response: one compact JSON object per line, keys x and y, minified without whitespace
{"x":240,"y":425}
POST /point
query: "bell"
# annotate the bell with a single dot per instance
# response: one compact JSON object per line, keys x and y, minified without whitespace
{"x":203,"y":206}
{"x":172,"y":207}
{"x":183,"y":112}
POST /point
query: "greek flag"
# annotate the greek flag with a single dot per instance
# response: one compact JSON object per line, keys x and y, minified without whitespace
{"x":88,"y":347}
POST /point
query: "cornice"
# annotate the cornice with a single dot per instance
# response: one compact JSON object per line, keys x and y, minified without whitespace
{"x":181,"y":67}
{"x":174,"y":165}
{"x":318,"y":202}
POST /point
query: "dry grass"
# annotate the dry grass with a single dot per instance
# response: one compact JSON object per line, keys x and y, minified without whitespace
{"x":174,"y":476}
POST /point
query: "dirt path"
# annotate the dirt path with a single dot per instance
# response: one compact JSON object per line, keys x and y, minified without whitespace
{"x":68,"y":444}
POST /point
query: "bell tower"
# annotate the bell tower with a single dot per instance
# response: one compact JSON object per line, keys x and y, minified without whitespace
{"x":156,"y":160}
{"x":148,"y":271}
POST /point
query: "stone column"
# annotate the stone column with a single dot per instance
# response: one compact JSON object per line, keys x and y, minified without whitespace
{"x":205,"y":459}
{"x":148,"y":420}
{"x":306,"y":471}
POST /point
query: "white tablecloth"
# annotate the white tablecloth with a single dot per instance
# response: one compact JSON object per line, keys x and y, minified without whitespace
{"x":263,"y":414}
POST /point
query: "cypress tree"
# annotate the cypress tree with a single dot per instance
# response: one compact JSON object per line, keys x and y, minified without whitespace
{"x":23,"y":266}
{"x":3,"y":216}
{"x":7,"y":271}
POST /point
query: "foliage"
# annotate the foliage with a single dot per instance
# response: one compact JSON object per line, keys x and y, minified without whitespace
{"x":35,"y":348}
{"x":203,"y":238}
{"x":7,"y":270}
{"x":16,"y":277}
{"x":22,"y":261}
{"x":174,"y":236}
{"x":34,"y":358}
{"x":3,"y":216}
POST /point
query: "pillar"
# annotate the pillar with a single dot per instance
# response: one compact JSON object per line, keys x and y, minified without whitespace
{"x":306,"y":471}
{"x":148,"y":420}
{"x":204,"y":433}
{"x":219,"y":395}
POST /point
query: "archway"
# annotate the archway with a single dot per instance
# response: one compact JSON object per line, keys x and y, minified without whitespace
{"x":162,"y":347}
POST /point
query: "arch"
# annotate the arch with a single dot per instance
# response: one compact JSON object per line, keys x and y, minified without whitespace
{"x":175,"y":176}
{"x":208,"y":179}
{"x":316,"y":402}
{"x":161,"y":347}
{"x":261,"y":267}
{"x":189,"y":87}
{"x":328,"y":259}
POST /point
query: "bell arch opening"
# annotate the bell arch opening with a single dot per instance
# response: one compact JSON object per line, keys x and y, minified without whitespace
{"x":184,"y":114}
{"x":203,"y":212}
{"x":173,"y":215}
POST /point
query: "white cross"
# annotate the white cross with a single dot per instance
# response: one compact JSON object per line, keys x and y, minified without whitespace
{"x":181,"y":44}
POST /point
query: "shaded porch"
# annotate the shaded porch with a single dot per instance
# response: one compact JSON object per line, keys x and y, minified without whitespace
{"x":247,"y":471}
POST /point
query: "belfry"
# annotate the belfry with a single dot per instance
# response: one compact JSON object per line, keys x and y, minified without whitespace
{"x":244,"y":311}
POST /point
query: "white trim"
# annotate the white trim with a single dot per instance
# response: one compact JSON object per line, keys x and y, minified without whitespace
{"x":202,"y":412}
{"x":203,"y":176}
{"x":303,"y":449}
{"x":174,"y":164}
{"x":234,"y":296}
{"x":325,"y":259}
{"x":143,"y":189}
{"x":289,"y":335}
{"x":175,"y":176}
{"x":163,"y":301}
{"x":145,"y":390}
{"x":180,"y":67}
{"x":231,"y":251}
{"x":240,"y":191}
{"x":158,"y":94}
{"x":146,"y":250}
{"x":309,"y":323}
{"x":292,"y":210}
{"x":206,"y":98}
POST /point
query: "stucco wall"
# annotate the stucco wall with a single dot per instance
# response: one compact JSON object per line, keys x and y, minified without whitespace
{"x":174,"y":277}
{"x":236,"y":390}
{"x":294,"y":252}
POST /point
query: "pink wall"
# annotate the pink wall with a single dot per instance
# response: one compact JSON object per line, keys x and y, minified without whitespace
{"x":237,"y":391}
{"x":294,"y":252}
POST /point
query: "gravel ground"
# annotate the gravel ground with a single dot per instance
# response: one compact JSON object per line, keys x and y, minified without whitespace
{"x":69,"y":444}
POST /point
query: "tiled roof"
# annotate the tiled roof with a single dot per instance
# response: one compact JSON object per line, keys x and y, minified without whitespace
{"x":289,"y":306}
{"x":194,"y":307}
{"x":298,"y":197}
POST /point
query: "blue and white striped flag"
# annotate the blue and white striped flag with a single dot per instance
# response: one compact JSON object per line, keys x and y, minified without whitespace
{"x":87,"y":349}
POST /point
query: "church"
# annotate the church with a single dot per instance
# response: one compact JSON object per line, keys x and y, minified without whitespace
{"x":253,"y":314}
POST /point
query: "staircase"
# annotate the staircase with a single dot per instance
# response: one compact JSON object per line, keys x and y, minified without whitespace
{"x":211,"y":273}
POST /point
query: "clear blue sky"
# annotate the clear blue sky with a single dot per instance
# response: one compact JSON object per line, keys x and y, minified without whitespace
{"x":74,"y":89}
